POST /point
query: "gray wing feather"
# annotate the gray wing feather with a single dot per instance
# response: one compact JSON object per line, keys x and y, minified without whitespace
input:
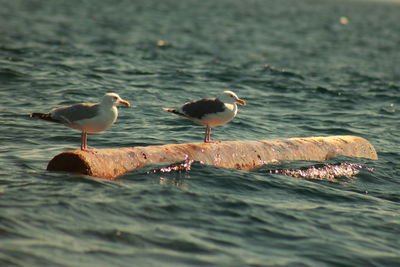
{"x":74,"y":113}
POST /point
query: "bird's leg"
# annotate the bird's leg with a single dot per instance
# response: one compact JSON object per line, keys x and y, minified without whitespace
{"x":83,"y":140}
{"x":84,"y":143}
{"x":206,"y":134}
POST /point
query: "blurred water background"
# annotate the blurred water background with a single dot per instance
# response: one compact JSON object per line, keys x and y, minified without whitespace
{"x":305,"y":68}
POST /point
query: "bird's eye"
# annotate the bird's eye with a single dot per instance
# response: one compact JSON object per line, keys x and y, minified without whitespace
{"x":115,"y":98}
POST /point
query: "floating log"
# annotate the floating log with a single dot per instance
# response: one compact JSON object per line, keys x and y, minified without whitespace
{"x":241,"y":155}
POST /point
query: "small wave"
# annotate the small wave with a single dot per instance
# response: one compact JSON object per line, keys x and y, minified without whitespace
{"x":282,"y":72}
{"x":7,"y":74}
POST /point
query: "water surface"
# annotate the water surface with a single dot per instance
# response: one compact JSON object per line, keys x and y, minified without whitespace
{"x":305,"y":68}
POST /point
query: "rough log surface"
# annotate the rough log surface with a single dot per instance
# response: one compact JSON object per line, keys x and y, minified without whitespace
{"x":242,"y":155}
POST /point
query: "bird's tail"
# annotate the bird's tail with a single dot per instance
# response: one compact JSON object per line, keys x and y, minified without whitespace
{"x":172,"y":110}
{"x":43,"y":116}
{"x":175,"y":111}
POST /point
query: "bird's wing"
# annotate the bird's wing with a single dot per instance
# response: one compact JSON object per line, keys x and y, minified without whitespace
{"x":198,"y":109}
{"x":74,"y":113}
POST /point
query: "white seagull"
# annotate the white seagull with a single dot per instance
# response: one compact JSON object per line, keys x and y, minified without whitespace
{"x":210,"y":112}
{"x":86,"y":117}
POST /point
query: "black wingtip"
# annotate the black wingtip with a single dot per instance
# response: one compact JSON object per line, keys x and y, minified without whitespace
{"x":43,"y":116}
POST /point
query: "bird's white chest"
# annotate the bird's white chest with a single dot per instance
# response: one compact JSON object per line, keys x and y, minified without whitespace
{"x":99,"y":123}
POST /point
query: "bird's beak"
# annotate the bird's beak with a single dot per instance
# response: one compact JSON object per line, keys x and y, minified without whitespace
{"x":241,"y":102}
{"x":125,"y":103}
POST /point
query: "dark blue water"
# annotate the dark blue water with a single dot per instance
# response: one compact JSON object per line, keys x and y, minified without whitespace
{"x":306,"y":68}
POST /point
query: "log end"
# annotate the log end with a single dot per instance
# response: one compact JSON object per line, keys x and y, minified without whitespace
{"x":70,"y":161}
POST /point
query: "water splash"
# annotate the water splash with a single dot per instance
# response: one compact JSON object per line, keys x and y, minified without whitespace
{"x":327,"y":172}
{"x":185,"y":166}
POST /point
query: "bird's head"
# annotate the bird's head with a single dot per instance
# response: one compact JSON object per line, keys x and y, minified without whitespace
{"x":231,"y":98}
{"x":115,"y":100}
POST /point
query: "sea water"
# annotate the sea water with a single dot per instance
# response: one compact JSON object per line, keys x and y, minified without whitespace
{"x":305,"y":68}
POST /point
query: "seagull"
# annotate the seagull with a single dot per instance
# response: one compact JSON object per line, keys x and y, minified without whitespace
{"x":86,"y":117}
{"x":210,"y":112}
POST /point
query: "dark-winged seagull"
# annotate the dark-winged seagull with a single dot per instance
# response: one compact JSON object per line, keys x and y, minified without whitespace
{"x":86,"y":117}
{"x":210,"y":112}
